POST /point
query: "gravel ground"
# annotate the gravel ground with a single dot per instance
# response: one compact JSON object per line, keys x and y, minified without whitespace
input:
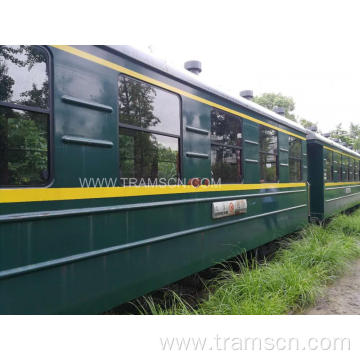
{"x":342,"y":298}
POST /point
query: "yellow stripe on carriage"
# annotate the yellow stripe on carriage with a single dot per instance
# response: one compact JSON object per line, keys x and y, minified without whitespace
{"x":152,"y":81}
{"x":57,"y":194}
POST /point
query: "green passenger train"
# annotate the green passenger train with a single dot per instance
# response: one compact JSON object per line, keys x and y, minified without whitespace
{"x":119,"y":175}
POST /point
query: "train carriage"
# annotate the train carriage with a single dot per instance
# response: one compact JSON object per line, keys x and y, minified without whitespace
{"x":333,"y":177}
{"x":120,"y":175}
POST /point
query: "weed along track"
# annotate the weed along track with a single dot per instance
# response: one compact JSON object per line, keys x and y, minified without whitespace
{"x":289,"y":280}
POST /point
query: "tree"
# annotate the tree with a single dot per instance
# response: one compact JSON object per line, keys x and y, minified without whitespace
{"x":270,"y":100}
{"x":307,"y":124}
{"x":355,"y":136}
{"x":342,"y":135}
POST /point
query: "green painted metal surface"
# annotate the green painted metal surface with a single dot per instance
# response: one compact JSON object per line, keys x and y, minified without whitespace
{"x":86,"y":256}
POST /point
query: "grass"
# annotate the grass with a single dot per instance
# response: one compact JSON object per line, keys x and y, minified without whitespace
{"x":289,"y":283}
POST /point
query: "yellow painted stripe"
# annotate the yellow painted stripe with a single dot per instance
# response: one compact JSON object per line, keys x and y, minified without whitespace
{"x":340,"y":152}
{"x":54,"y":194}
{"x":342,"y":183}
{"x":150,"y":80}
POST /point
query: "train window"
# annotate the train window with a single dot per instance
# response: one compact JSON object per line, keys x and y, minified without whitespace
{"x":147,"y":156}
{"x":328,"y":166}
{"x":294,"y":159}
{"x":226,"y":144}
{"x":24,"y":116}
{"x":336,"y":166}
{"x":344,"y":168}
{"x":145,"y":106}
{"x":149,"y":133}
{"x":356,"y":170}
{"x":351,"y":169}
{"x":268,"y":154}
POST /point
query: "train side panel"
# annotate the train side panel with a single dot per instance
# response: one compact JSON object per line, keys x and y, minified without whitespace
{"x":76,"y":254}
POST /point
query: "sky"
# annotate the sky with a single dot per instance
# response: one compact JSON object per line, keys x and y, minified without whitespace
{"x":310,"y":53}
{"x":306,"y":49}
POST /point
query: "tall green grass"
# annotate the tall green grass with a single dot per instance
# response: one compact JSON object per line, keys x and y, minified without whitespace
{"x":290,"y":282}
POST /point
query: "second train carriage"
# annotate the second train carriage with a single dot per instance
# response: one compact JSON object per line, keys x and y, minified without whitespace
{"x":333,"y":177}
{"x":71,"y":117}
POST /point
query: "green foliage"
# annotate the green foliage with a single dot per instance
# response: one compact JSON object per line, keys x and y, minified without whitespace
{"x":341,"y":134}
{"x":355,"y":136}
{"x":306,"y":123}
{"x":289,"y":283}
{"x":270,"y":100}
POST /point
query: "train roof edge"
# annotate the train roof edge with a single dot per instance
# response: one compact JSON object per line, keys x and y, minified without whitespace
{"x":192,"y":79}
{"x":311,"y":135}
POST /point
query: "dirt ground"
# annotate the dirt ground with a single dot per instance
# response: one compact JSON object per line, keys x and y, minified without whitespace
{"x":342,"y":298}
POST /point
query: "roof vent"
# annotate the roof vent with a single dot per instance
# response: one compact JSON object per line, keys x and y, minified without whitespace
{"x":313,"y":128}
{"x":247,"y":94}
{"x":193,"y":66}
{"x":279,"y":110}
{"x":327,"y":135}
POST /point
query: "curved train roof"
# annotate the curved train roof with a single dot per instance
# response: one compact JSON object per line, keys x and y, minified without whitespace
{"x":315,"y":136}
{"x":194,"y":80}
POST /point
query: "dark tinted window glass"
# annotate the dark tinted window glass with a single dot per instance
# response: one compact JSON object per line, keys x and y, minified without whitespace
{"x":328,"y":166}
{"x":345,"y":168}
{"x":294,"y":170}
{"x":226,"y":164}
{"x":337,"y":166}
{"x":268,"y":140}
{"x":268,"y":167}
{"x":24,"y":76}
{"x":145,"y":106}
{"x":268,"y":154}
{"x":294,"y":159}
{"x":351,"y":169}
{"x":294,"y":147}
{"x":226,"y":160}
{"x":225,"y":128}
{"x":147,"y":157}
{"x":23,"y":147}
{"x":356,"y":170}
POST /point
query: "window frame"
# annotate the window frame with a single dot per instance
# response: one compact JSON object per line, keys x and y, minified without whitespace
{"x":273,"y":154}
{"x":156,"y":132}
{"x":331,"y":166}
{"x":50,"y":113}
{"x":299,"y":158}
{"x":344,"y":169}
{"x":216,"y":144}
{"x":337,"y":167}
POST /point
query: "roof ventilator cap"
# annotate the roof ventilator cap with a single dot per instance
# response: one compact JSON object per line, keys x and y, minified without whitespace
{"x":247,"y":94}
{"x":193,"y":66}
{"x":279,"y":110}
